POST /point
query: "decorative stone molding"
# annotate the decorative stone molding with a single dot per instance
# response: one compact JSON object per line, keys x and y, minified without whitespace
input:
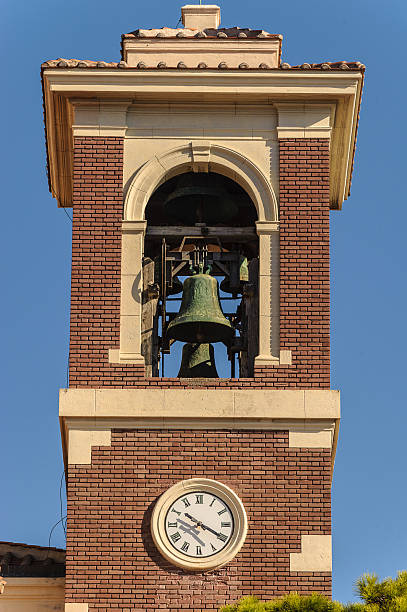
{"x":213,"y":487}
{"x":304,"y":120}
{"x":62,"y":88}
{"x":200,"y":155}
{"x":88,"y":415}
{"x":315,"y":555}
{"x":222,"y":160}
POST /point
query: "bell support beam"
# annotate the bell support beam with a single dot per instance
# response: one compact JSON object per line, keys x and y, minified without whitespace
{"x":231,"y":233}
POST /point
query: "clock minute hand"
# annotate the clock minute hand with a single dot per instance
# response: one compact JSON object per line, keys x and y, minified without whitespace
{"x":200,"y":524}
{"x":210,"y":529}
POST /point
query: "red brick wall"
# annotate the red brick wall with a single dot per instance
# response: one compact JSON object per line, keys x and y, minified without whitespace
{"x":112,"y":563}
{"x":304,"y":259}
{"x":304,"y":240}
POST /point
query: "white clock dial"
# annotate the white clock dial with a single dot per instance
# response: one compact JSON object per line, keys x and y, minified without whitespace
{"x":199,"y":524}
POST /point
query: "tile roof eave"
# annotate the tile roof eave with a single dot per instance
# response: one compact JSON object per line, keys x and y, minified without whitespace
{"x":356,"y":67}
{"x":100,"y":65}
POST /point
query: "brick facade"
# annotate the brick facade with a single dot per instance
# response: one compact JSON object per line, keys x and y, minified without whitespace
{"x":304,"y":261}
{"x":112,"y":563}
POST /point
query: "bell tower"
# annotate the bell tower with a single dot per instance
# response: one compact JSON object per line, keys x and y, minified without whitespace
{"x":201,"y":171}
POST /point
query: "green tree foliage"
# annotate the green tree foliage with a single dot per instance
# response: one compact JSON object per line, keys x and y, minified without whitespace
{"x":389,"y":595}
{"x":290,"y":603}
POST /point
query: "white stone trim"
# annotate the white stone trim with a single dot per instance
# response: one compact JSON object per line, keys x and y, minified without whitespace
{"x":300,"y":404}
{"x":222,"y":160}
{"x":100,"y":118}
{"x":33,"y":594}
{"x":315,"y":555}
{"x":198,"y":155}
{"x":76,"y":607}
{"x":201,"y":154}
{"x":197,"y":16}
{"x":269,"y":297}
{"x":80,"y":444}
{"x":131,"y":286}
{"x":311,"y":438}
{"x":62,"y":87}
{"x":297,"y":120}
{"x":211,"y":486}
{"x":88,"y":415}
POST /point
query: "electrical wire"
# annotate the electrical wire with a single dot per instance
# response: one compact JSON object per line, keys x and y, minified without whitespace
{"x":60,"y":501}
{"x":50,"y":534}
{"x":52,"y":529}
{"x":66,"y":212}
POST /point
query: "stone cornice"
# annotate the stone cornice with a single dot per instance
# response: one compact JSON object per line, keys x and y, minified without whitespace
{"x":65,"y":87}
{"x":87,"y":416}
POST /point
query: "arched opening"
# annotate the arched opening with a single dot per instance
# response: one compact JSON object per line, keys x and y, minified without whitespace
{"x":200,"y":156}
{"x":200,"y":227}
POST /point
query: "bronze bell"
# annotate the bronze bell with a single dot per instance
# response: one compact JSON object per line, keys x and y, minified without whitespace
{"x":200,"y":318}
{"x":198,"y":361}
{"x":200,"y":198}
{"x":228,"y":287}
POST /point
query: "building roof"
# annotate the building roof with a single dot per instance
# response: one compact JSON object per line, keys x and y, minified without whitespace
{"x":234,"y":32}
{"x":29,"y":561}
{"x":76,"y":63}
{"x":165,"y":52}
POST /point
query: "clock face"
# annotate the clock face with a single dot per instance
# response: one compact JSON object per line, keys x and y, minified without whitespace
{"x":199,"y":524}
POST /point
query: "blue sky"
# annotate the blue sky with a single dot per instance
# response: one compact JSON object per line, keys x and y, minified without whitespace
{"x":368,"y":262}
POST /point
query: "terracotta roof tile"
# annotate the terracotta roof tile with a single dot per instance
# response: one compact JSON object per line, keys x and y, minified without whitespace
{"x":75,"y":63}
{"x":165,"y":32}
{"x":25,"y":560}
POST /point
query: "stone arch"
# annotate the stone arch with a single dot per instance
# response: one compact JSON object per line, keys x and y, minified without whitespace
{"x":200,"y":156}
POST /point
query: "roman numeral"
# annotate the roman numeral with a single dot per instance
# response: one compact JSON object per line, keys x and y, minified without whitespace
{"x":213,"y":548}
{"x":175,"y":537}
{"x":175,"y":524}
{"x":222,"y":511}
{"x":211,"y":504}
{"x":199,"y":499}
{"x":176,"y":511}
{"x":186,"y":502}
{"x":198,"y":550}
{"x":185,"y":546}
{"x":222,"y":537}
{"x":226,"y":524}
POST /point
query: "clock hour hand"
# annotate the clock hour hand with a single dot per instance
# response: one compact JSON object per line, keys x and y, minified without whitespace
{"x":200,"y":524}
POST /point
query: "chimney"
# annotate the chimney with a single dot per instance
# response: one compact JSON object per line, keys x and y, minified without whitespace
{"x":200,"y":16}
